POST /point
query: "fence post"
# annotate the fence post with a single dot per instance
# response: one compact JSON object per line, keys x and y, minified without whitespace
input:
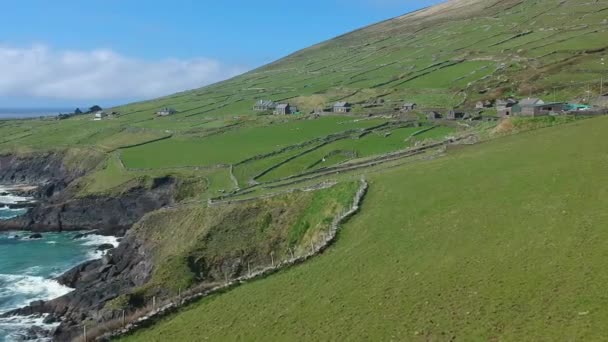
{"x":179,"y":295}
{"x":124,"y":322}
{"x":85,"y":332}
{"x":291,"y":252}
{"x":154,"y":303}
{"x":249,"y":268}
{"x":272,"y":258}
{"x":312,"y":246}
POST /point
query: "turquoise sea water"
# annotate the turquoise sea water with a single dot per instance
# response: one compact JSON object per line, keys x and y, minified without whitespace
{"x":28,"y":266}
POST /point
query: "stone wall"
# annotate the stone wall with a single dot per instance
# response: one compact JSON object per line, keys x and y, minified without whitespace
{"x":176,"y":303}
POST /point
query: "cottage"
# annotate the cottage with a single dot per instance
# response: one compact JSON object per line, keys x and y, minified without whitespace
{"x":166,"y":112}
{"x":504,"y":108}
{"x":528,"y":107}
{"x":284,"y":109}
{"x":537,"y":107}
{"x":100,"y":115}
{"x":408,"y":107}
{"x":264,"y":106}
{"x":342,"y":107}
{"x":433,"y":115}
{"x":456,"y":115}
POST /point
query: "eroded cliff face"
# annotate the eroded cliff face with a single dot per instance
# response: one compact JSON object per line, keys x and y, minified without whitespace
{"x":58,"y":206}
{"x":95,"y":283}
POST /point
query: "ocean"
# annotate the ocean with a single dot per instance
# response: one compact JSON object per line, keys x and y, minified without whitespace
{"x":23,"y":113}
{"x":28,"y":266}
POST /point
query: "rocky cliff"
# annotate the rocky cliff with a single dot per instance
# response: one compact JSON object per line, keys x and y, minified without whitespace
{"x":58,"y":206}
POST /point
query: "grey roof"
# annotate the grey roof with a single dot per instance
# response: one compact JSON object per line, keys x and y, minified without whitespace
{"x":505,"y":102}
{"x":530,"y":102}
{"x":265,"y":103}
{"x":409,"y":104}
{"x":283,"y":106}
{"x":341,"y":104}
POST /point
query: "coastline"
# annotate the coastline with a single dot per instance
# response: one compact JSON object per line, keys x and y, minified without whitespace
{"x":42,"y":282}
{"x":32,"y":281}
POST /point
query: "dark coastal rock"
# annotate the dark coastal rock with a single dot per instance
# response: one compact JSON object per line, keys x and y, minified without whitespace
{"x":106,"y":215}
{"x":83,"y":235}
{"x":34,"y":333}
{"x":104,"y":247}
{"x":60,"y":207}
{"x":36,"y":236}
{"x":22,"y":205}
{"x":4,"y":193}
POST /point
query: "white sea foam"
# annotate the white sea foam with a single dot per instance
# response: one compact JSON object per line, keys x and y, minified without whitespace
{"x":29,"y":289}
{"x":13,"y":327}
{"x":12,"y":199}
{"x":98,"y":240}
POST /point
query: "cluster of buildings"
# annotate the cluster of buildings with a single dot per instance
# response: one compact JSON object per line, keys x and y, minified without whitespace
{"x":166,"y":111}
{"x":276,"y":108}
{"x":504,"y":108}
{"x":100,"y":115}
{"x":535,"y":107}
{"x":529,"y":107}
{"x":340,"y":107}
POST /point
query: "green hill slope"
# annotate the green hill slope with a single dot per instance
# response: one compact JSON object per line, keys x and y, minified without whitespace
{"x":441,"y":56}
{"x":445,"y":56}
{"x":499,"y":241}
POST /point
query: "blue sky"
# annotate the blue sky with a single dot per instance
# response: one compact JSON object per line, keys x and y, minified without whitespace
{"x":77,"y":51}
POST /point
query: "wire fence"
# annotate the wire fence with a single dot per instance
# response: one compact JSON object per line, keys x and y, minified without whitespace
{"x":123,"y":322}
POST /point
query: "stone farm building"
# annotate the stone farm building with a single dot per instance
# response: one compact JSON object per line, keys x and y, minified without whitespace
{"x":342,"y":107}
{"x":100,"y":115}
{"x":284,"y":109}
{"x":538,"y":107}
{"x":408,"y":107}
{"x":456,"y":115}
{"x":264,"y":106}
{"x":433,"y":115}
{"x":505,"y":107}
{"x":166,"y":112}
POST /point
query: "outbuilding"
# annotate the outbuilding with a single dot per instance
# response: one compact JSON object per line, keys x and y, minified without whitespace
{"x":504,"y":108}
{"x":537,"y":107}
{"x":166,"y":112}
{"x":433,"y":115}
{"x":284,"y":109}
{"x":100,"y":115}
{"x":264,"y":106}
{"x":408,"y":107}
{"x":456,"y":115}
{"x":342,"y":107}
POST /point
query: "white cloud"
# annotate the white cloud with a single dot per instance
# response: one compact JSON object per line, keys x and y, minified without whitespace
{"x":42,"y":72}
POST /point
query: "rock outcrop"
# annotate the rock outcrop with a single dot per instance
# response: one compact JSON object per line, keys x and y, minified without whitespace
{"x":58,"y":207}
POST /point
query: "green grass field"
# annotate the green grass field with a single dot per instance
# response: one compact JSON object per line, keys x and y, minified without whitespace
{"x":499,"y":241}
{"x":236,"y":145}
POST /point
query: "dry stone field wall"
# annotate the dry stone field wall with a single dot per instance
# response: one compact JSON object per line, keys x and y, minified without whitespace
{"x":191,"y":296}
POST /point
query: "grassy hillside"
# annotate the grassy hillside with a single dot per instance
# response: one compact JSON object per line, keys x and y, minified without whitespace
{"x":498,"y":241}
{"x":446,"y":56}
{"x":501,"y":240}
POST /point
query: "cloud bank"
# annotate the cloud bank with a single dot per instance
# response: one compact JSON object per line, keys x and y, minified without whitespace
{"x":42,"y":72}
